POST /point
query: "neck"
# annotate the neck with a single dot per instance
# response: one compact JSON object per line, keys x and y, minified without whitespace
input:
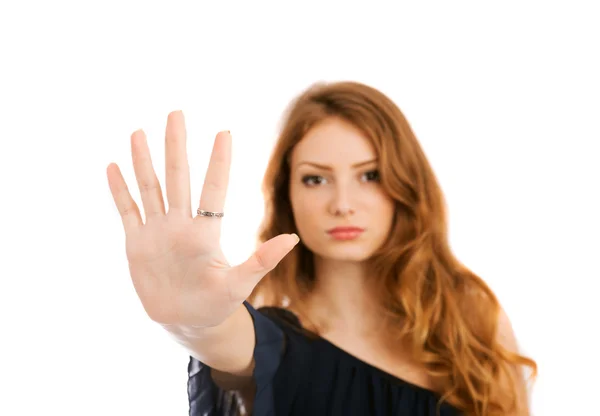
{"x":342,"y":298}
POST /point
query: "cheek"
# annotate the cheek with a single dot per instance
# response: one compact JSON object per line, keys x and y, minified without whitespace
{"x":305,"y":206}
{"x":384,"y":208}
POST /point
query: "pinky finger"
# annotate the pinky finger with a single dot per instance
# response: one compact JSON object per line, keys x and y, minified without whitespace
{"x":128,"y":209}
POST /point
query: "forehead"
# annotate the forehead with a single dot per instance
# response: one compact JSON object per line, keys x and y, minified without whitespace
{"x":333,"y":141}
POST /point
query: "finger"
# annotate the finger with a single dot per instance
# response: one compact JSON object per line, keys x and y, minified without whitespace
{"x":216,"y":181}
{"x":176,"y":165}
{"x":247,"y":275}
{"x":130,"y":213}
{"x":150,"y":191}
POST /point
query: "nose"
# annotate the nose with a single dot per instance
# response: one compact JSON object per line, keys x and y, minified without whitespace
{"x":341,"y":204}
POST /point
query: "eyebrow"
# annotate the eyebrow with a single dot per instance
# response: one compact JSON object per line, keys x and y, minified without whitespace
{"x":325,"y":167}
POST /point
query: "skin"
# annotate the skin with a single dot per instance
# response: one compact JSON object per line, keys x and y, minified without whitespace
{"x":204,"y":313}
{"x":330,"y":188}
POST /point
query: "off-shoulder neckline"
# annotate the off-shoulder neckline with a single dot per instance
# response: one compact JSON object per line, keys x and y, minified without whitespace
{"x":297,"y":324}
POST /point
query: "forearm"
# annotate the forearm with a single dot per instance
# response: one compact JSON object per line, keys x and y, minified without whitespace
{"x":226,"y":348}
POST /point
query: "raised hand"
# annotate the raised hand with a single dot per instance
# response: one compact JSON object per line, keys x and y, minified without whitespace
{"x":175,"y":259}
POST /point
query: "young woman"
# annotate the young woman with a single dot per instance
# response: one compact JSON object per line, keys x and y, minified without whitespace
{"x":367,"y":313}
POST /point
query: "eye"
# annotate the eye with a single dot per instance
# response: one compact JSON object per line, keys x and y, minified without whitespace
{"x":372,"y":175}
{"x":312,"y":180}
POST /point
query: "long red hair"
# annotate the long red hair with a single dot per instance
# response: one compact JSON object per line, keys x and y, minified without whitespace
{"x":448,"y":314}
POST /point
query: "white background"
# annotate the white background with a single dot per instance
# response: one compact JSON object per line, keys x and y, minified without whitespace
{"x":504,"y":98}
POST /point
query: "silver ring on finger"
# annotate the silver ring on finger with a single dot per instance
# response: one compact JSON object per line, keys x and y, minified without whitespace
{"x":203,"y":213}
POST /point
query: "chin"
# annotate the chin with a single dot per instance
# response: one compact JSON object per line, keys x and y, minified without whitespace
{"x":357,"y":253}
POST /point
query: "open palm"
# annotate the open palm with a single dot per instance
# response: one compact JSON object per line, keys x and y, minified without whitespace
{"x":175,"y":259}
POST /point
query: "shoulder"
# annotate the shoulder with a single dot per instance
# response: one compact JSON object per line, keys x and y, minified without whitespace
{"x":507,"y":339}
{"x":280,"y":314}
{"x":290,"y":323}
{"x":505,"y":334}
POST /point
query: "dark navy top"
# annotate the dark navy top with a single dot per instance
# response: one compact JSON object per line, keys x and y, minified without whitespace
{"x":299,"y":375}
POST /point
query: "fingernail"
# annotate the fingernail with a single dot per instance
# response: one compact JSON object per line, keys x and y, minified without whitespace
{"x":296,"y":237}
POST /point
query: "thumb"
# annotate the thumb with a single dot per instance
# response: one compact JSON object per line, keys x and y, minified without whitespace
{"x":269,"y":254}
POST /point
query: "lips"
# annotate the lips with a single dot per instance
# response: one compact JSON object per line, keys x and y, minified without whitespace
{"x":345,"y":233}
{"x":345,"y":230}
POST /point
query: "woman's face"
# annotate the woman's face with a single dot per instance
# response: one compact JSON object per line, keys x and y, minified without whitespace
{"x":334,"y":183}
